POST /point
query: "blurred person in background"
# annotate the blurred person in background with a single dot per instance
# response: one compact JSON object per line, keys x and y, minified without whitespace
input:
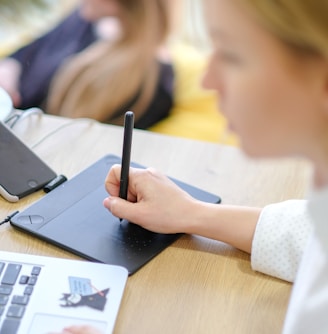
{"x":66,"y":73}
{"x":103,"y":59}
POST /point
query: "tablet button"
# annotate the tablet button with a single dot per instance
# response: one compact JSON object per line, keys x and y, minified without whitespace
{"x":24,"y":220}
{"x":36,"y":219}
{"x":33,"y":219}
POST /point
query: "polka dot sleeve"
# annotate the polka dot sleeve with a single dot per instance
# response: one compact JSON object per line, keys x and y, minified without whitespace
{"x":280,"y":238}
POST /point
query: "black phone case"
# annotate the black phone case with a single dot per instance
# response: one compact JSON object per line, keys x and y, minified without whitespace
{"x":22,"y":172}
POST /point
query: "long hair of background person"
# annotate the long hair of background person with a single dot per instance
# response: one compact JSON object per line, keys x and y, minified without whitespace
{"x":101,"y":79}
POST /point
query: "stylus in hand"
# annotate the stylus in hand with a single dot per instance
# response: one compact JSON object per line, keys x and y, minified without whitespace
{"x":126,"y":154}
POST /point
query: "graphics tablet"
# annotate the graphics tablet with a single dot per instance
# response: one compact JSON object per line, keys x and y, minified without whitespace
{"x":72,"y":216}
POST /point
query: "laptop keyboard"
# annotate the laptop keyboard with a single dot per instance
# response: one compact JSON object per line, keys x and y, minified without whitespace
{"x":17,"y":281}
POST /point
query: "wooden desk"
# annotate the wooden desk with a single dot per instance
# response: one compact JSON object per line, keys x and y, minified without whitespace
{"x":196,"y":285}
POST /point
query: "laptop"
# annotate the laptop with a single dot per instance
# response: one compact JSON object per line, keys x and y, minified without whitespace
{"x":41,"y":295}
{"x":72,"y":216}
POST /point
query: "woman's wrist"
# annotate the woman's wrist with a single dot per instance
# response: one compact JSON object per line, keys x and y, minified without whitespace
{"x":230,"y":224}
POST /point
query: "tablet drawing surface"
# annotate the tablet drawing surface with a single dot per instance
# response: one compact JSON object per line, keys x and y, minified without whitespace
{"x":72,"y":216}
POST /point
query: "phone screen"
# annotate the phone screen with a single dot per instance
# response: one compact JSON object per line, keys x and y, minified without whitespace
{"x":21,"y":171}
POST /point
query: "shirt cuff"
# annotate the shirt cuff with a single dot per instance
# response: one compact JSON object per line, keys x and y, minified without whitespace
{"x":280,"y":238}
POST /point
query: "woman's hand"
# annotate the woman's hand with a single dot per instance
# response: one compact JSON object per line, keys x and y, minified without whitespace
{"x":159,"y":205}
{"x":154,"y":201}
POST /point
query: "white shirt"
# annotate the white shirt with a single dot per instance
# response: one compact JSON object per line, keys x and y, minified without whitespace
{"x":285,"y":242}
{"x":280,"y":238}
{"x":308,"y":308}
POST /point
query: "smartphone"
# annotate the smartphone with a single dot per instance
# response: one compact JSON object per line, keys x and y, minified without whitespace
{"x":22,"y":172}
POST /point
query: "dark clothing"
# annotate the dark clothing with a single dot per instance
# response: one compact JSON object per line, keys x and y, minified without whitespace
{"x":41,"y":59}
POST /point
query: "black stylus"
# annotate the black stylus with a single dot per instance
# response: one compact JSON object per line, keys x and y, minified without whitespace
{"x":126,"y":154}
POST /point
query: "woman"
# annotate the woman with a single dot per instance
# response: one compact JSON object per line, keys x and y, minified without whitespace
{"x":270,"y":68}
{"x":93,"y":66}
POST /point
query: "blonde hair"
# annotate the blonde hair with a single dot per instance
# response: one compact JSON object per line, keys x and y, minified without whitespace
{"x":300,"y":24}
{"x":106,"y":76}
